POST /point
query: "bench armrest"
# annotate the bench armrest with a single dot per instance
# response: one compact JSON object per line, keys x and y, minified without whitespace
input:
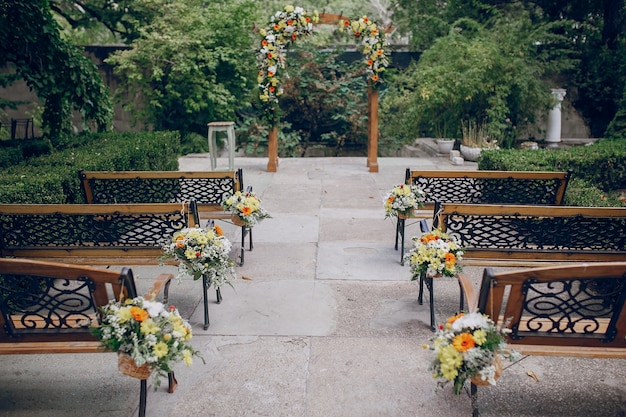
{"x":467,"y":287}
{"x":163,"y":281}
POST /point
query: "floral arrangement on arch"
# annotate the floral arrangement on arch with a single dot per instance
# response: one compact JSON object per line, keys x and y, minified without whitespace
{"x":148,"y":332}
{"x":202,"y":252}
{"x":373,"y":43}
{"x":468,"y":346}
{"x":285,"y":26}
{"x":435,"y":253}
{"x":402,"y":200}
{"x":246,"y":206}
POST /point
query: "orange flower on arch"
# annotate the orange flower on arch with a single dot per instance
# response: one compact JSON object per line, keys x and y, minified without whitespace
{"x":374,"y":78}
{"x":246,"y":211}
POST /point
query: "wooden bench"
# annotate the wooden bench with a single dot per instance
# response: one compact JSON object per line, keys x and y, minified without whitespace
{"x":96,"y":234}
{"x":571,"y":310}
{"x":208,"y":189}
{"x":524,"y":236}
{"x":483,"y":187}
{"x":38,"y":319}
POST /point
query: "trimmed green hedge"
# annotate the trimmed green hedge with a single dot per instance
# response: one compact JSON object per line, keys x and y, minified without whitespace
{"x":53,"y":178}
{"x":597,"y":170}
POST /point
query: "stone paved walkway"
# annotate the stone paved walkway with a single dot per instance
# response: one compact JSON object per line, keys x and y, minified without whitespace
{"x":325,"y":323}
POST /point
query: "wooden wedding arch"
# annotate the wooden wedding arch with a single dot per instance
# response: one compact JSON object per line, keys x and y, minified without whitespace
{"x":284,"y":28}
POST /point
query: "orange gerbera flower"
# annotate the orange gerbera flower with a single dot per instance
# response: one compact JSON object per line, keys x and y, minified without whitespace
{"x":308,"y":19}
{"x":452,"y":319}
{"x":276,"y":26}
{"x":272,"y":88}
{"x":218,"y":230}
{"x":246,"y":210}
{"x":138,"y":314}
{"x":450,"y":258}
{"x":294,"y":36}
{"x":463,"y":342}
{"x":264,"y":42}
{"x":270,"y":55}
{"x":290,"y":22}
{"x":375,"y":78}
{"x":379,"y":52}
{"x":346,"y":23}
{"x":370,"y":63}
{"x":365,"y":20}
{"x":391,"y":198}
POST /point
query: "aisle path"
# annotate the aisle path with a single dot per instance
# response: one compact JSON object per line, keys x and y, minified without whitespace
{"x":325,"y":323}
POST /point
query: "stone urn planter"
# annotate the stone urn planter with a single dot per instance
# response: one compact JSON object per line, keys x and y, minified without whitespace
{"x":470,"y":154}
{"x":444,"y":146}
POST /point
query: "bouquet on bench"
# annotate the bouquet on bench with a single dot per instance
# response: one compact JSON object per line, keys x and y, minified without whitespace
{"x":435,"y":253}
{"x":468,"y":346}
{"x":403,"y":200}
{"x":202,"y":252}
{"x":147,"y":333}
{"x":246,"y":206}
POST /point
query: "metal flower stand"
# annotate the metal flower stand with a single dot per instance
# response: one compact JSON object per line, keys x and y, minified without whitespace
{"x":428,"y":280}
{"x":206,"y":283}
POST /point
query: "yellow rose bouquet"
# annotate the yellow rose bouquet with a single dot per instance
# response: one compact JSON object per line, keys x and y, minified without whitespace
{"x":147,"y":331}
{"x":202,"y":252}
{"x":246,"y":206}
{"x":435,"y":253}
{"x":402,"y":200}
{"x":468,"y":346}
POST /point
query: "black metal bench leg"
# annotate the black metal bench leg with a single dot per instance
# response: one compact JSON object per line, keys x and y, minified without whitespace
{"x":431,"y":293}
{"x":461,"y":297}
{"x":474,"y":399}
{"x":205,"y":290}
{"x":420,"y":297}
{"x":250,"y":238}
{"x":243,"y":244}
{"x":171,"y":382}
{"x":218,"y":293}
{"x":397,"y":233}
{"x":143,"y":394}
{"x":401,"y":221}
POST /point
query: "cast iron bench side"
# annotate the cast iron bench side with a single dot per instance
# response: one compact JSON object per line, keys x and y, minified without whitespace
{"x":207,"y":188}
{"x":484,"y":187}
{"x":572,"y":310}
{"x":96,"y":234}
{"x":37,"y":318}
{"x":525,"y":236}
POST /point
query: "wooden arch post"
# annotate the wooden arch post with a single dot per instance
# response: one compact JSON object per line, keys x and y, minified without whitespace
{"x":272,"y":149}
{"x":372,"y":128}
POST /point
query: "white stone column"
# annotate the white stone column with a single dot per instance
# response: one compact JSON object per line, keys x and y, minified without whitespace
{"x":553,"y":135}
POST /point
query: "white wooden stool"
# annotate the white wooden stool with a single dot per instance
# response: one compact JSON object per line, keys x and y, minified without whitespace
{"x":229,"y":128}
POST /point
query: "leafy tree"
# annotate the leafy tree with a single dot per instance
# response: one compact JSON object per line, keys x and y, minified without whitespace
{"x":193,"y":65}
{"x":104,"y":21}
{"x":61,"y":76}
{"x":489,"y":73}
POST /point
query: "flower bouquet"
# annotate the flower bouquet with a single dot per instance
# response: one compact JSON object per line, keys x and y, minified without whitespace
{"x":202,"y":252}
{"x":402,"y":200}
{"x":246,"y":206}
{"x":436,"y":254}
{"x":468,"y":346}
{"x":153,"y":336}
